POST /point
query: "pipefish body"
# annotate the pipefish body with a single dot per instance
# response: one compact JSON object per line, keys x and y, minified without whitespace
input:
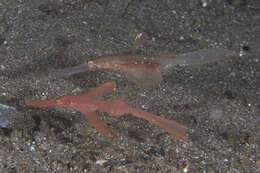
{"x":149,"y":70}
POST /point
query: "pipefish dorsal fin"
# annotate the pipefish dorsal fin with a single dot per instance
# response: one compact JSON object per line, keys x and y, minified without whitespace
{"x":139,"y":41}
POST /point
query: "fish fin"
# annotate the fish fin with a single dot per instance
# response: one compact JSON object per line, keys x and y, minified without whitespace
{"x":172,"y":127}
{"x":137,"y":44}
{"x":97,"y":123}
{"x":139,"y":41}
{"x":144,"y":76}
{"x":102,"y":89}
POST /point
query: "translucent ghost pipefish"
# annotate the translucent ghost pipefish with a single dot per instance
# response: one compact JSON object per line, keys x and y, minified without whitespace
{"x":148,"y":70}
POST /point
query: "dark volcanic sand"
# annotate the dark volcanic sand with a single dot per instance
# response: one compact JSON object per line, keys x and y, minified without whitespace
{"x":218,"y":102}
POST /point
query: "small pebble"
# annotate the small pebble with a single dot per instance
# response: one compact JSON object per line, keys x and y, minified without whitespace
{"x":216,"y":114}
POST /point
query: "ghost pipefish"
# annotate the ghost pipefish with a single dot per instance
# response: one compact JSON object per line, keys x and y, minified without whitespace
{"x":88,"y":103}
{"x":148,"y":70}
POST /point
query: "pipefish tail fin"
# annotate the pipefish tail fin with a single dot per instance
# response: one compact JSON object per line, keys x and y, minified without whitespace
{"x":200,"y":57}
{"x":172,"y":127}
{"x":71,"y":70}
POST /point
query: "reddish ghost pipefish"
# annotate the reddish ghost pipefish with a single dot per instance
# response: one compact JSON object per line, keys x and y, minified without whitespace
{"x":88,"y":103}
